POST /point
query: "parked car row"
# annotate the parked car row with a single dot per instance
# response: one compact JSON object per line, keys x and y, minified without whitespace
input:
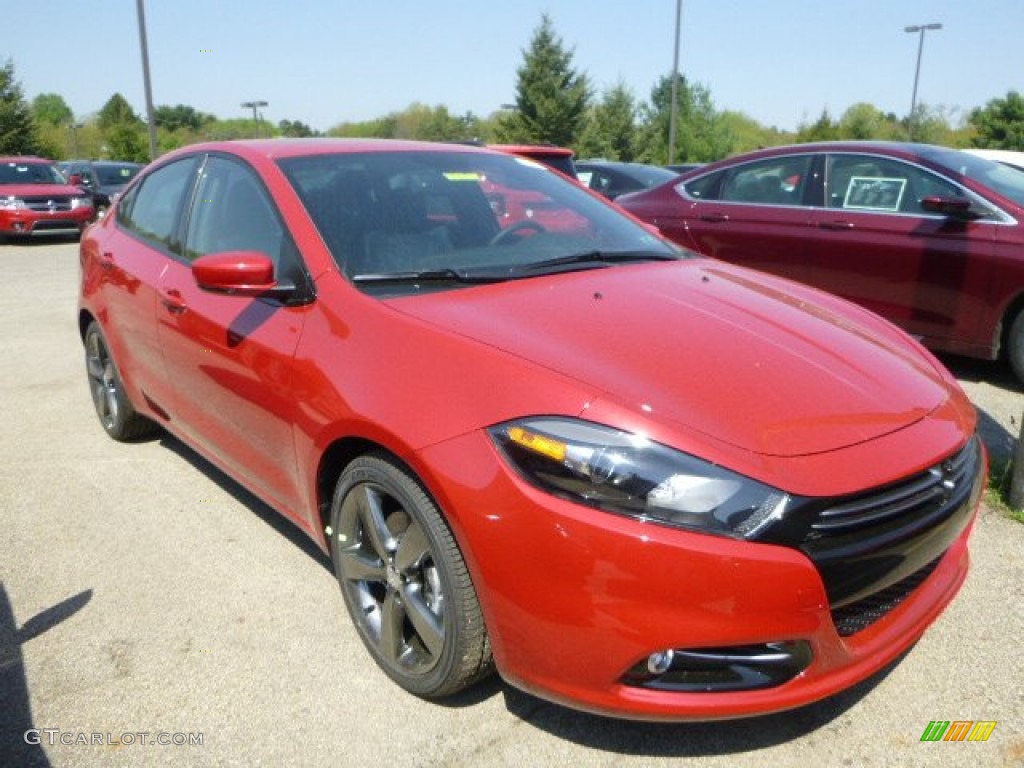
{"x":930,"y":238}
{"x":533,"y":435}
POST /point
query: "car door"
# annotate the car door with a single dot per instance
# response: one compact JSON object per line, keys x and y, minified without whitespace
{"x":231,"y":358}
{"x":756,"y":214}
{"x":874,"y":244}
{"x":133,"y":253}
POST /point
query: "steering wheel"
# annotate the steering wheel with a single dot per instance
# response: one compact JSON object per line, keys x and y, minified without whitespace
{"x":519,"y":226}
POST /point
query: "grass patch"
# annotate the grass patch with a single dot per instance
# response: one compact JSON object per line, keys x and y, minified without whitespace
{"x":997,"y":494}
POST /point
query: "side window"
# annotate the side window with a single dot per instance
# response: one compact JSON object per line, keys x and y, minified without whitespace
{"x":881,"y":184}
{"x":705,"y":187}
{"x":774,"y":181}
{"x":153,"y":210}
{"x":233,"y":212}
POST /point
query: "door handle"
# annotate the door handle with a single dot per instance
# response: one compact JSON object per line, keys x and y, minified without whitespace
{"x":714,"y":218}
{"x":173,"y":301}
{"x":835,"y":224}
{"x":107,"y":260}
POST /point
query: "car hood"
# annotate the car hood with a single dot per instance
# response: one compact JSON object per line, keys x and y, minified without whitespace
{"x":759,"y":363}
{"x":39,"y":190}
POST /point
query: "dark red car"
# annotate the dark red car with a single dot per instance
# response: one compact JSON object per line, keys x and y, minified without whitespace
{"x":634,"y":480}
{"x":928,"y":237}
{"x":36,"y":200}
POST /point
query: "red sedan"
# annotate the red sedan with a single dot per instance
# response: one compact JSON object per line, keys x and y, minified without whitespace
{"x":631,"y":479}
{"x":928,"y":237}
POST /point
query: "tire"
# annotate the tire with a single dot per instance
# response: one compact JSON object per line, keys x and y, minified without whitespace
{"x":1015,"y":346}
{"x":405,"y":582}
{"x":115,"y":411}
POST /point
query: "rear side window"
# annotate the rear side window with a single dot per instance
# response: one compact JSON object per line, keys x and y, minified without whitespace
{"x":153,"y":210}
{"x":775,"y":181}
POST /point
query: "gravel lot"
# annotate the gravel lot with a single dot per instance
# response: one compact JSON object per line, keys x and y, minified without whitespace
{"x":142,"y":592}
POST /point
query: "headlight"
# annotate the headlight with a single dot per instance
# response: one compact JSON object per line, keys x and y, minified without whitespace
{"x":629,"y":475}
{"x":12,"y":204}
{"x":80,"y":202}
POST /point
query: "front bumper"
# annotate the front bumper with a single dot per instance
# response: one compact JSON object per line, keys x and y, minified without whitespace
{"x":576,"y":600}
{"x":28,"y":223}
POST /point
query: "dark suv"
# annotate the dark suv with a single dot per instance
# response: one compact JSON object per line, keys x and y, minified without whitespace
{"x":103,"y":179}
{"x":36,"y":200}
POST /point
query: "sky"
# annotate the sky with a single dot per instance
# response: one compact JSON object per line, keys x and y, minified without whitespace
{"x":325,"y":62}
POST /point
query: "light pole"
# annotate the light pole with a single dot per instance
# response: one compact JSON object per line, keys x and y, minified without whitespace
{"x":673,"y":118}
{"x":255,"y":106}
{"x":920,"y":29}
{"x":140,"y":8}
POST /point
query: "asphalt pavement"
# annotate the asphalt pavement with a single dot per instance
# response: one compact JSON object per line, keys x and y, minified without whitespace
{"x":152,"y":612}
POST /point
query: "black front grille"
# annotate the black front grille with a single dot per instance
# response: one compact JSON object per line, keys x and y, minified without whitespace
{"x":53,"y":203}
{"x":872,"y":549}
{"x":854,"y":617}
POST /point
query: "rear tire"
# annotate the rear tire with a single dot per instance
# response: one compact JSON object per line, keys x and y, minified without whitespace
{"x":405,"y":582}
{"x":115,"y":411}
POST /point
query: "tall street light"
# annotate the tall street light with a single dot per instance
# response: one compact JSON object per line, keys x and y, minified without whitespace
{"x":140,"y":8}
{"x":920,"y":29}
{"x":255,"y":107}
{"x":673,"y":117}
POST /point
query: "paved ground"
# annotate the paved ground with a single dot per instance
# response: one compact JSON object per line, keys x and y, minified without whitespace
{"x":141,"y":592}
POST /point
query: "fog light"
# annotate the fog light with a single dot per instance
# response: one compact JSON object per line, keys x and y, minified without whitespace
{"x":659,"y":663}
{"x":728,"y":668}
{"x":19,"y":226}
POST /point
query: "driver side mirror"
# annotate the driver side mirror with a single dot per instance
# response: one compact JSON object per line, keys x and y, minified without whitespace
{"x":955,"y":207}
{"x":238,"y":273}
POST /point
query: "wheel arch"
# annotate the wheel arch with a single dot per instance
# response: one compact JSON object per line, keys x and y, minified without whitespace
{"x":1012,"y":312}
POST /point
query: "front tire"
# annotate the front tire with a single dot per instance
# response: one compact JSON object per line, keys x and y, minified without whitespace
{"x":405,"y":582}
{"x":1015,"y":346}
{"x":115,"y":411}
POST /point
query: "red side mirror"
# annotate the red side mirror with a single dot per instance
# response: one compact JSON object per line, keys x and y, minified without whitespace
{"x":241,"y":273}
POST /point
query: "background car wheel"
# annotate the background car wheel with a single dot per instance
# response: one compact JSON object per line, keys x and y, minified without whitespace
{"x":404,"y":580}
{"x":1015,"y":346}
{"x":115,"y":410}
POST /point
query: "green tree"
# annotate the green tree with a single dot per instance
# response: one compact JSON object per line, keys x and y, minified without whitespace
{"x":822,"y":129}
{"x":1000,"y":123}
{"x":863,"y":121}
{"x":180,"y":116}
{"x":551,"y":96}
{"x":744,"y":134}
{"x":698,"y":139}
{"x":18,"y":134}
{"x":295,"y":129}
{"x":609,"y":130}
{"x":51,"y":109}
{"x":117,"y":111}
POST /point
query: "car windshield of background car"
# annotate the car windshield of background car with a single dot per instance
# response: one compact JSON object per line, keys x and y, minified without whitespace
{"x":459,"y":217}
{"x":29,"y":173}
{"x":1007,"y":181}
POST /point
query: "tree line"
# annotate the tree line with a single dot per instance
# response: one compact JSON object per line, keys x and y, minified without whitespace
{"x":555,"y":103}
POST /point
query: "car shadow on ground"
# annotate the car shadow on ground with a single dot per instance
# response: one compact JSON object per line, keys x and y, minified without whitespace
{"x":999,"y":440}
{"x":681,"y":740}
{"x":264,"y":511}
{"x":15,"y":705}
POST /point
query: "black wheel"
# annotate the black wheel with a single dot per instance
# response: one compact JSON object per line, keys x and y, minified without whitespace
{"x":405,"y":583}
{"x":115,"y":410}
{"x":1015,"y":346}
{"x":512,"y":233}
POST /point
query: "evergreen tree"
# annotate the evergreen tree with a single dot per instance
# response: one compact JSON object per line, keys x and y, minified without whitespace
{"x":551,"y":96}
{"x":610,"y":127}
{"x":1000,"y":123}
{"x":698,"y":139}
{"x":18,"y":135}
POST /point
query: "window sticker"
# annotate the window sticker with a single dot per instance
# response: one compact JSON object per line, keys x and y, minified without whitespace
{"x":874,"y":193}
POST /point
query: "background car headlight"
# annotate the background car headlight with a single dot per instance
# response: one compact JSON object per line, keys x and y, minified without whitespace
{"x":630,"y":475}
{"x":12,"y":204}
{"x":80,"y":202}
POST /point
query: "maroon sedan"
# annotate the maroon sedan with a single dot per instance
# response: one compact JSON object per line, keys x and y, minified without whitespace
{"x":928,"y":237}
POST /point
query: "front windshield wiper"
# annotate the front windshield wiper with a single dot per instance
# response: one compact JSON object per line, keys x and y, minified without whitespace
{"x":594,"y":260}
{"x":447,"y":275}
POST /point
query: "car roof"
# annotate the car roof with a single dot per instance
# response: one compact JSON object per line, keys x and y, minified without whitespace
{"x":25,"y":159}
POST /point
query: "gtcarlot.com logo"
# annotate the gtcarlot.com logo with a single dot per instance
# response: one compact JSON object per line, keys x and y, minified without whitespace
{"x":55,"y":736}
{"x":958,"y":730}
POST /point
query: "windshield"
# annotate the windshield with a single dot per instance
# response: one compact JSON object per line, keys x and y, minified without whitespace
{"x":1006,"y":181}
{"x":116,"y":175}
{"x":460,"y":217}
{"x":29,"y":173}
